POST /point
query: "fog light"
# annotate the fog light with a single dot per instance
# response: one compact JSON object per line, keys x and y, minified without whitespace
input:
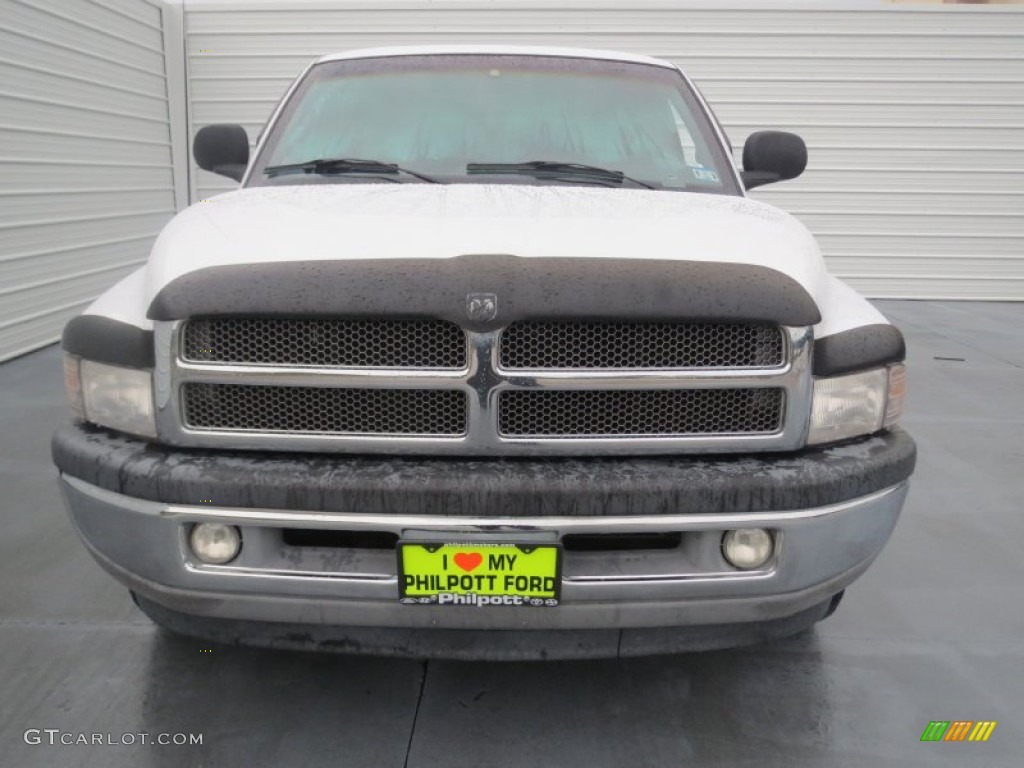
{"x":747,"y":548}
{"x":216,"y":543}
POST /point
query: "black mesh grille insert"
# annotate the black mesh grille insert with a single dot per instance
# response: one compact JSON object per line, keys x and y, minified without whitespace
{"x":325,"y":410}
{"x":336,"y":343}
{"x":540,"y":345}
{"x":669,"y":412}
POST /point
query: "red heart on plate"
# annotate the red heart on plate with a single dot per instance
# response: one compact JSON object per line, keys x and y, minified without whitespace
{"x":467,"y":561}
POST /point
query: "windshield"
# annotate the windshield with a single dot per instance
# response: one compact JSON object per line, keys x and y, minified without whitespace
{"x":461,"y":118}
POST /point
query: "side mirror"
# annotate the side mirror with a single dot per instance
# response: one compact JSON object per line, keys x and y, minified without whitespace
{"x":770,"y":156}
{"x":222,"y":149}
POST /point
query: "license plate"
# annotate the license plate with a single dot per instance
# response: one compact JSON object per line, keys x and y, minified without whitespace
{"x":432,"y":573}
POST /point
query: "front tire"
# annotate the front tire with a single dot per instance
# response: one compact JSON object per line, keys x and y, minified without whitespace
{"x":834,"y":604}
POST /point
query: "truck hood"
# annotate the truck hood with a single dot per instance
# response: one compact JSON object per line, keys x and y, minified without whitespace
{"x":387,"y":220}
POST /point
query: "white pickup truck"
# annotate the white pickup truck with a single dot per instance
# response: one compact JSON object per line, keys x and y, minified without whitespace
{"x":489,"y":356}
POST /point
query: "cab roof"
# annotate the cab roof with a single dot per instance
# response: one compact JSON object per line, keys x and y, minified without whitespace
{"x":494,"y":50}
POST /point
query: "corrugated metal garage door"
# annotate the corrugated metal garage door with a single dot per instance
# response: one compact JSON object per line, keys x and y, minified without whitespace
{"x":85,"y":160}
{"x":914,"y":115}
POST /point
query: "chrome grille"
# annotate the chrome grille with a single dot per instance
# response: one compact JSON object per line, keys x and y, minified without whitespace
{"x":324,"y":410}
{"x":679,"y":346}
{"x":662,"y":413}
{"x":431,"y":344}
{"x":370,"y":387}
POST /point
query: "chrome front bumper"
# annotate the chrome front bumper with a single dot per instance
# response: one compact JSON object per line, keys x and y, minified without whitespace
{"x":820,"y":550}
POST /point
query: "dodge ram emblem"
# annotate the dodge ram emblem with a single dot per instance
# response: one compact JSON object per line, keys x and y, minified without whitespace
{"x":481,"y":307}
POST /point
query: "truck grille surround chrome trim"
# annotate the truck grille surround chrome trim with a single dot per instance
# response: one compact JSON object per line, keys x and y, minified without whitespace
{"x":650,"y":388}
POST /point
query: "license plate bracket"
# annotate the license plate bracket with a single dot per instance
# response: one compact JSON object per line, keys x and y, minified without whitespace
{"x":476,"y":573}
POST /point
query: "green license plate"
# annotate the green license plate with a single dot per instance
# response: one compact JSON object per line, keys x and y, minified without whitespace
{"x":433,"y":573}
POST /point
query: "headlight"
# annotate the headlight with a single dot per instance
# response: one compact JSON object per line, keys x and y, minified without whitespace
{"x":73,"y":385}
{"x":856,"y":404}
{"x":111,"y":396}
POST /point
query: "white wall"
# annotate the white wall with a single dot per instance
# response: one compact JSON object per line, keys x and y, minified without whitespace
{"x":86,"y":176}
{"x":914,"y":114}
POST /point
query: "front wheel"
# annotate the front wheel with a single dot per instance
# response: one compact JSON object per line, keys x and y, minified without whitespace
{"x":834,"y":604}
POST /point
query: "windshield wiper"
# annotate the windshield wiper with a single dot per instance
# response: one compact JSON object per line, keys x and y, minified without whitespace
{"x":329,"y":165}
{"x":555,"y":168}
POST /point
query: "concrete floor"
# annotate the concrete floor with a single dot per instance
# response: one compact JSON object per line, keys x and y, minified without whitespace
{"x":932,"y":632}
